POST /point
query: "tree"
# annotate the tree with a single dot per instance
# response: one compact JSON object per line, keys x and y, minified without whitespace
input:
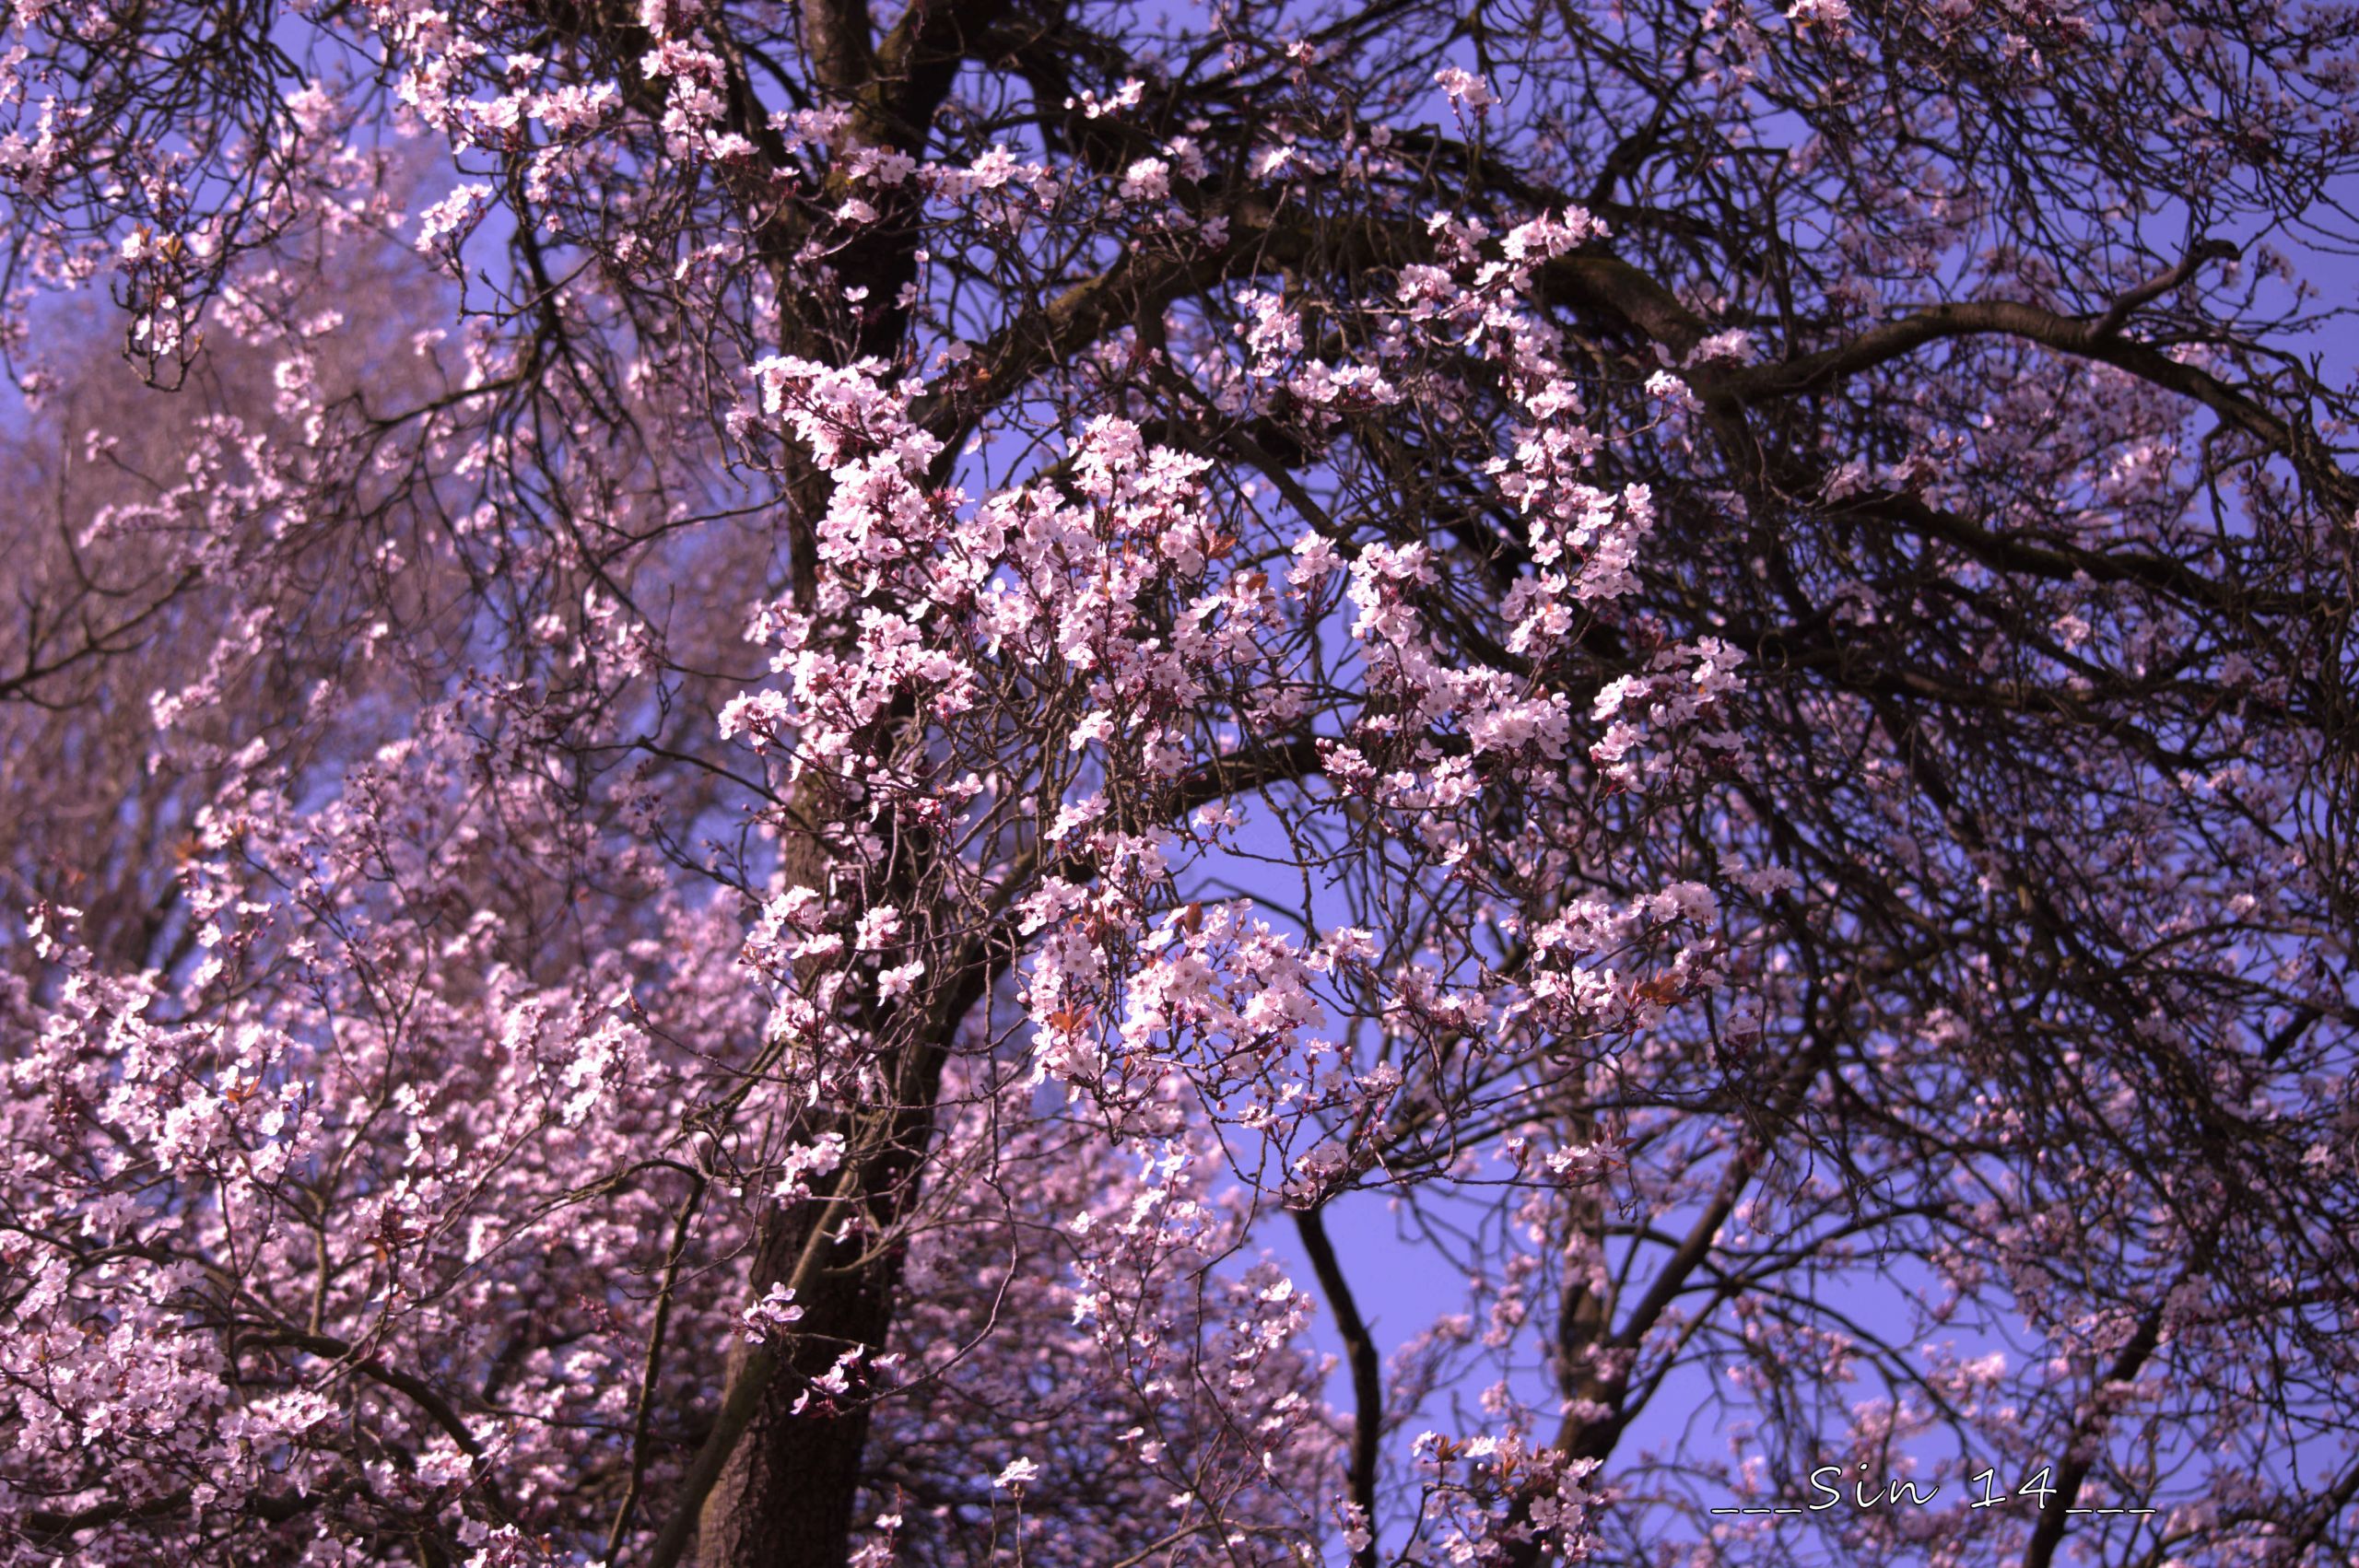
{"x":1706,"y":644}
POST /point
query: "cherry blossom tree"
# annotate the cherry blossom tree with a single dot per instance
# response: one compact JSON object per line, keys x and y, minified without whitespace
{"x":789,"y":751}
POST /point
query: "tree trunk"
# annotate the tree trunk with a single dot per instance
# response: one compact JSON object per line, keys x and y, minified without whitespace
{"x":785,"y":1499}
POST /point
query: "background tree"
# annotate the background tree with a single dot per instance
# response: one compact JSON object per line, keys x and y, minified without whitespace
{"x":804,"y":716}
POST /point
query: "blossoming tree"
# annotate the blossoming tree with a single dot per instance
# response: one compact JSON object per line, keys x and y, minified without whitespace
{"x":795,"y":748}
